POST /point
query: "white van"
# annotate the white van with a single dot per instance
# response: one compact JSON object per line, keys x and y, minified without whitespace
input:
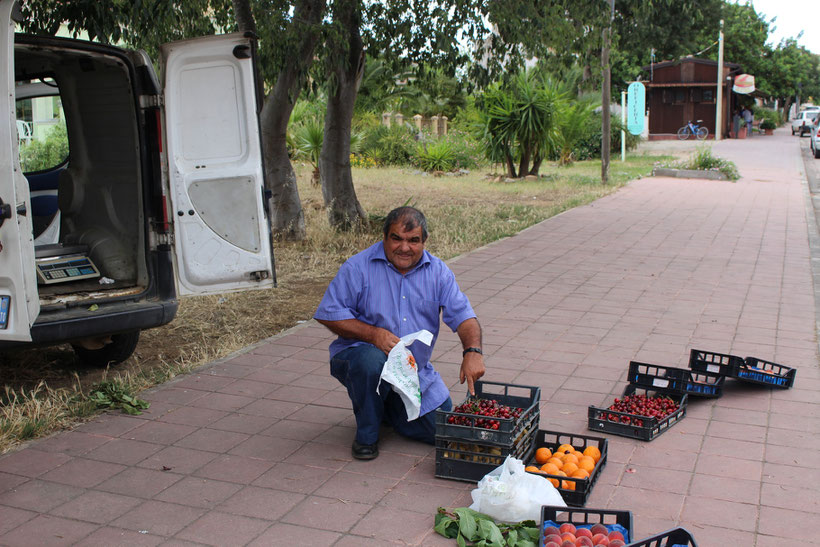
{"x":161,"y":192}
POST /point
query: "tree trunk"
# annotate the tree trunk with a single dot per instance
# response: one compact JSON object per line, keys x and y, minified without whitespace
{"x":524,"y":163}
{"x":787,"y":105}
{"x":287,"y":218}
{"x":343,"y":207}
{"x":606,"y":133}
{"x":244,"y":16}
{"x":510,"y":165}
{"x":536,"y":163}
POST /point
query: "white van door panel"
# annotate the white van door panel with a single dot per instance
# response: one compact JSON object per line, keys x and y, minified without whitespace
{"x":222,"y":235}
{"x":19,"y":300}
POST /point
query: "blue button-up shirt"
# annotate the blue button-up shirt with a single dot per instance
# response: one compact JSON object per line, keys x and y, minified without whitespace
{"x":369,"y":288}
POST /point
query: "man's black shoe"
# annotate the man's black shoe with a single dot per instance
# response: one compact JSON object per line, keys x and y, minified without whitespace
{"x":365,"y":451}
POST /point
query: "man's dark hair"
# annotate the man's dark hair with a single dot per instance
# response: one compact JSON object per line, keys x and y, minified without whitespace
{"x":410,"y":218}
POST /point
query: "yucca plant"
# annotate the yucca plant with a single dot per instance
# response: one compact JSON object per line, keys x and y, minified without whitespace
{"x":436,"y":156}
{"x":307,"y":142}
{"x":570,"y":128}
{"x":517,"y":122}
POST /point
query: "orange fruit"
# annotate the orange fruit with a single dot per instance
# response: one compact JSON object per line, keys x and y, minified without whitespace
{"x":542,"y":455}
{"x":559,"y":463}
{"x":569,"y":468}
{"x":570,"y":458}
{"x":587,"y":463}
{"x":532,"y":469}
{"x":565,"y":448}
{"x":550,"y":468}
{"x":593,"y":452}
{"x":554,"y":482}
{"x":561,"y":474}
{"x":580,"y":474}
{"x":568,"y":485}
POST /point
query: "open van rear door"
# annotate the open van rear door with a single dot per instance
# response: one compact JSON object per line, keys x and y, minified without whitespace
{"x":19,"y":300}
{"x":214,"y":165}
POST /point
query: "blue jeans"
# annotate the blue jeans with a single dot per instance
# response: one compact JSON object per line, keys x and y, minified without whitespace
{"x":358,"y":369}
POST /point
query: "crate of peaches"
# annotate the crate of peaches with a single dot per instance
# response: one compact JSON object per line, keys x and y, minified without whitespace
{"x":571,"y":462}
{"x":640,"y":413}
{"x":565,"y":527}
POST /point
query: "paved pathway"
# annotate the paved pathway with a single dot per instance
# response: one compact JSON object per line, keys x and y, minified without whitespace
{"x":255,"y":450}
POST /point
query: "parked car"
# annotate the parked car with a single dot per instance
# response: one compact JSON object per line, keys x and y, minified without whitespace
{"x":814,"y":135}
{"x":161,"y":192}
{"x":802,"y":122}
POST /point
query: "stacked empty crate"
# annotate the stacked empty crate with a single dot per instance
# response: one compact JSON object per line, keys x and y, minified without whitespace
{"x":467,"y":451}
{"x":750,"y":369}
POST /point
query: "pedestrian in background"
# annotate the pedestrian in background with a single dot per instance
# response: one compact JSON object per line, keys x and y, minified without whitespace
{"x":749,"y":118}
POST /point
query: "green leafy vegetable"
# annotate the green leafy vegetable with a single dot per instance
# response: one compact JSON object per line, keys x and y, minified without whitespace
{"x":471,"y":528}
{"x":114,"y":395}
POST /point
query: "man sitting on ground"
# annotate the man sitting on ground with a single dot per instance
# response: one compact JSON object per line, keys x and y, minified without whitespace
{"x":391,"y":289}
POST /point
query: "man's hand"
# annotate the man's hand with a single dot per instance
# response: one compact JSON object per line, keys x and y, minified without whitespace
{"x":353,"y":328}
{"x":472,"y":368}
{"x":384,"y":339}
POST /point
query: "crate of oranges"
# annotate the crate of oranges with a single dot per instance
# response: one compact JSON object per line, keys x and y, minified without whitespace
{"x":571,"y":462}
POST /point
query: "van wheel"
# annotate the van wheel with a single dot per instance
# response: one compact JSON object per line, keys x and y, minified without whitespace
{"x":115,"y":352}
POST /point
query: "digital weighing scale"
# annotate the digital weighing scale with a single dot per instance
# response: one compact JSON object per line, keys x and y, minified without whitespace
{"x":64,"y":267}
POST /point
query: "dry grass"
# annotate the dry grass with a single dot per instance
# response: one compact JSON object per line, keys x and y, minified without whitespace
{"x":44,"y":389}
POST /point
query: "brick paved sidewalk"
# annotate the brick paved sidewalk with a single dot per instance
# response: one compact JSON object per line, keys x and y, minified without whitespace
{"x":255,"y":450}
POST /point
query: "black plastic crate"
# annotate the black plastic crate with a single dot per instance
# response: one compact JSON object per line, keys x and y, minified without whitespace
{"x":509,"y":429}
{"x":584,"y":517}
{"x":675,"y":536}
{"x":651,"y":427}
{"x":466,"y":460}
{"x":583,"y":487}
{"x":759,"y":371}
{"x":716,"y":363}
{"x":750,"y":369}
{"x":679,"y":380}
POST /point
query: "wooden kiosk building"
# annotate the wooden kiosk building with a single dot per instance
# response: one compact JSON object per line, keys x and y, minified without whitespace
{"x":680,"y":91}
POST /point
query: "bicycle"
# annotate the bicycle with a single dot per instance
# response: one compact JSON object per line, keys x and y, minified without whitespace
{"x":690,"y":128}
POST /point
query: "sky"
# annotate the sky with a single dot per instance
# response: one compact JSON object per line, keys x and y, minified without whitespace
{"x":793,"y":16}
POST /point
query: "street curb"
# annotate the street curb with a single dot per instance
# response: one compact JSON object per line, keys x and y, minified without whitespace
{"x":688,"y":173}
{"x":809,"y":194}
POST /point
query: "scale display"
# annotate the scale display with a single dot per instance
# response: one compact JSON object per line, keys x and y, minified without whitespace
{"x":65,"y":268}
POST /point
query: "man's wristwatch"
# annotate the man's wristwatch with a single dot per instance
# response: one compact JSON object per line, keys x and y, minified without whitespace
{"x":468,"y":350}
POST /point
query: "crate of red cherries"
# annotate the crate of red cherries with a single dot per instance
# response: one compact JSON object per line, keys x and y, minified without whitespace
{"x":640,"y":413}
{"x":498,"y":413}
{"x":477,"y":435}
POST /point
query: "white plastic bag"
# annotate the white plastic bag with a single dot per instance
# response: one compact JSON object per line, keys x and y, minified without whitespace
{"x":401,"y":372}
{"x":510,"y":494}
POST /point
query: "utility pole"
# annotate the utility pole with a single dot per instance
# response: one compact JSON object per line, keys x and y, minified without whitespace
{"x":606,"y":97}
{"x":623,"y":125}
{"x":719,"y":106}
